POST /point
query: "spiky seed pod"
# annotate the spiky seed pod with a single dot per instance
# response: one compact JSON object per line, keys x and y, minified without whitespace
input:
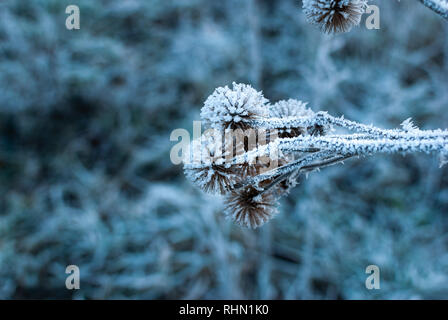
{"x":229,"y":108}
{"x":212,"y":162}
{"x":205,"y":164}
{"x":334,"y":15}
{"x":212,"y":178}
{"x":249,"y":208}
{"x":290,"y":108}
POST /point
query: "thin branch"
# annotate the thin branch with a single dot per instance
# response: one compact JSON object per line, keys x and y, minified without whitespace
{"x":324,"y":119}
{"x":325,"y":163}
{"x":285,"y":169}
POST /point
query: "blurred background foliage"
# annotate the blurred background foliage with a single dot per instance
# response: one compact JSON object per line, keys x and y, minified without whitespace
{"x":86,"y":179}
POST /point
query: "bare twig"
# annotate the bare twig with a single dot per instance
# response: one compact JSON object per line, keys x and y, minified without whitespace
{"x":438,"y":6}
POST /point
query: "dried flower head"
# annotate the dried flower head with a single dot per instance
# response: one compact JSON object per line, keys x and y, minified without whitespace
{"x":334,"y":15}
{"x":250,"y":208}
{"x":214,"y":162}
{"x":205,"y":164}
{"x":212,"y":178}
{"x":231,"y":108}
{"x":290,"y":108}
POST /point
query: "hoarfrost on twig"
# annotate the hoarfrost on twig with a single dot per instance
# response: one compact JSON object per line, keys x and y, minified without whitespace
{"x":289,"y":139}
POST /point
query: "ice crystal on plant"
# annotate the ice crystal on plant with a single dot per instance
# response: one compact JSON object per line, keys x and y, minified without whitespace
{"x":408,"y":125}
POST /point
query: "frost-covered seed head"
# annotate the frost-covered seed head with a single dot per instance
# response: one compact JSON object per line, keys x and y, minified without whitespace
{"x":229,"y":108}
{"x":205,"y":164}
{"x":290,"y":108}
{"x":248,"y":208}
{"x":213,"y":178}
{"x":214,"y":163}
{"x":334,"y":15}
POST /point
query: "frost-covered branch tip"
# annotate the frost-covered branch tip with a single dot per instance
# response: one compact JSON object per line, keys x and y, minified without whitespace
{"x":253,"y":151}
{"x":438,"y":6}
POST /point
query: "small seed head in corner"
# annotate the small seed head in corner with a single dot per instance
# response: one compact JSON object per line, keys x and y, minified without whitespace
{"x":211,"y":179}
{"x":334,"y":16}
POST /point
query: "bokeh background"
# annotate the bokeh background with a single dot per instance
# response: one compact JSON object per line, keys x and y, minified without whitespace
{"x":86,"y":178}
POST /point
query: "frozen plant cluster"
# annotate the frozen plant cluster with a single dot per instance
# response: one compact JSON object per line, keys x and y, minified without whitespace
{"x":301,"y":147}
{"x":334,"y":16}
